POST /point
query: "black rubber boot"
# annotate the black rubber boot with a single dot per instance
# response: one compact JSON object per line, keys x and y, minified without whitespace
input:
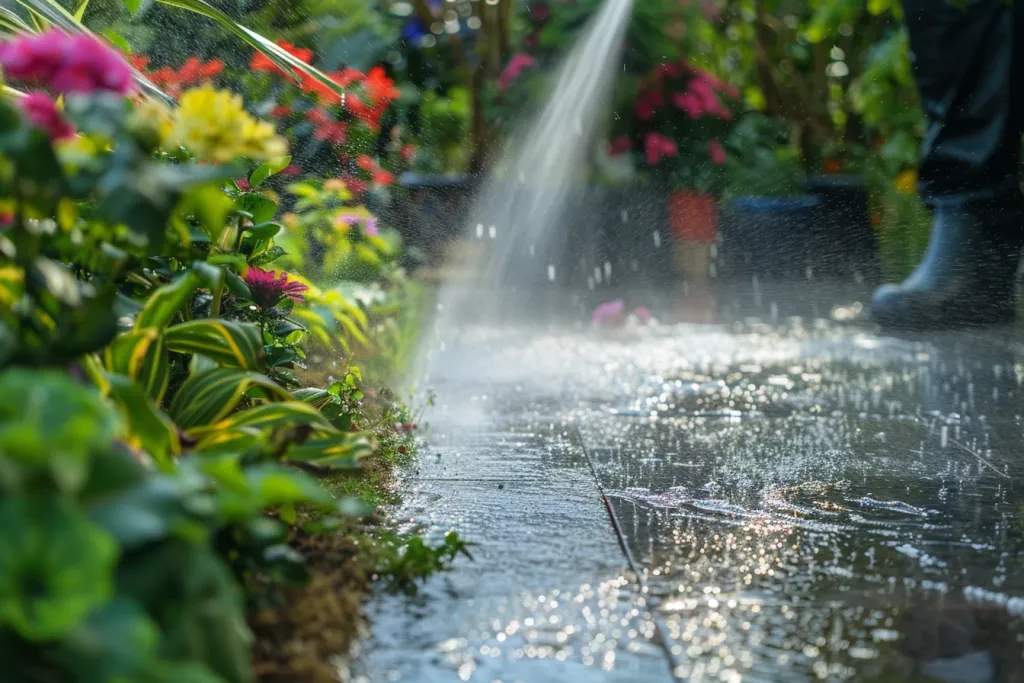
{"x":968,"y":274}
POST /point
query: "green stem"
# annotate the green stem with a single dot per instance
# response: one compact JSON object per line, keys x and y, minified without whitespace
{"x":218,"y":294}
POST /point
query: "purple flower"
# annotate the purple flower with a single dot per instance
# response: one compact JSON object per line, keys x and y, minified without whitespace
{"x":350,"y":220}
{"x":269,"y":287}
{"x":66,"y":63}
{"x":609,"y":314}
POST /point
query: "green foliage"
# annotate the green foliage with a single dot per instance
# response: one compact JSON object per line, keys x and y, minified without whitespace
{"x":406,"y":560}
{"x":155,"y":442}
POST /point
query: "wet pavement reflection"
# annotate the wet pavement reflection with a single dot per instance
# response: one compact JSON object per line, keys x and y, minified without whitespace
{"x":799,"y":498}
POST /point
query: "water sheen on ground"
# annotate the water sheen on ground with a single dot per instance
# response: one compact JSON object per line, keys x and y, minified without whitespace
{"x":801,"y":500}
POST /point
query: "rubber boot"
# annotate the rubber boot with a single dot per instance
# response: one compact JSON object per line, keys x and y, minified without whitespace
{"x":968,"y":274}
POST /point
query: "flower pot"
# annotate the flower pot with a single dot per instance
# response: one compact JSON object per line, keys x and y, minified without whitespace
{"x":693,"y":217}
{"x":845,"y":243}
{"x":770,"y":237}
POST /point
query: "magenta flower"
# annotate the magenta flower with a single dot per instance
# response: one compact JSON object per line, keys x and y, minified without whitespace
{"x":658,"y":147}
{"x":268,"y":288}
{"x":609,"y":314}
{"x":716,"y":152}
{"x":516,"y":66}
{"x":66,"y":63}
{"x":689,"y":103}
{"x":41,"y":111}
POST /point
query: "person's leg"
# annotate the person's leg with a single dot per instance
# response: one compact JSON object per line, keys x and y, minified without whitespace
{"x":967,"y":64}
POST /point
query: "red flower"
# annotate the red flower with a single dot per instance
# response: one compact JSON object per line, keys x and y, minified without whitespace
{"x":260,"y":62}
{"x":281,"y":111}
{"x":382,"y":177}
{"x":291,"y":170}
{"x":139,"y":62}
{"x":41,"y":112}
{"x":268,"y":287}
{"x":407,"y":152}
{"x":243,"y":184}
{"x":333,"y":132}
{"x":379,"y":88}
{"x":365,"y":162}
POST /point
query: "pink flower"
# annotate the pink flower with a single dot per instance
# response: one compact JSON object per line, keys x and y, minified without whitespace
{"x":243,"y":184}
{"x":716,"y":152}
{"x":658,"y":147}
{"x":268,"y":288}
{"x":670,"y":70}
{"x":516,"y":66}
{"x":609,"y":314}
{"x":620,"y":145}
{"x":642,"y":314}
{"x":66,"y":64}
{"x":689,"y":103}
{"x":291,"y":170}
{"x":41,"y":111}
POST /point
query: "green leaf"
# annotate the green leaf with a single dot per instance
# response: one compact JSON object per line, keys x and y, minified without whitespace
{"x":141,"y":356}
{"x":118,"y":41}
{"x":209,"y":396}
{"x":210,"y":206}
{"x":55,"y":566}
{"x":50,"y":426}
{"x":147,"y":424}
{"x":230,"y":343}
{"x":287,"y":413}
{"x":265,"y":170}
{"x":116,"y":642}
{"x":261,"y":207}
{"x":340,"y":451}
{"x":164,"y":303}
{"x":80,"y":12}
{"x":133,"y":5}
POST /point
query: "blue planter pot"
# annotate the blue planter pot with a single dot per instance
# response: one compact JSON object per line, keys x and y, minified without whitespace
{"x":771,"y":237}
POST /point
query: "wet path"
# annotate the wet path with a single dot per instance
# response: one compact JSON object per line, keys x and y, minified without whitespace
{"x":796,"y":497}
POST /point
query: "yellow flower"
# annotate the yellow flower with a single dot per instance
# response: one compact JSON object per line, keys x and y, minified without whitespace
{"x":906,"y":182}
{"x":214,"y":126}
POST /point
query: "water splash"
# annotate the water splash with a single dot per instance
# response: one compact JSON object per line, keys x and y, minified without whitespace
{"x":527,"y":194}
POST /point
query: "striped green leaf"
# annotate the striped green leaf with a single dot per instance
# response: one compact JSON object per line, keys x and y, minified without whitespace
{"x":343,"y":450}
{"x":271,"y":416}
{"x":142,"y":357}
{"x":318,"y":398}
{"x":147,"y":425}
{"x":229,"y":343}
{"x":208,"y":397}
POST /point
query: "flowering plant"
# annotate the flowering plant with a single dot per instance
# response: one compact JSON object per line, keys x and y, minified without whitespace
{"x":682,"y":116}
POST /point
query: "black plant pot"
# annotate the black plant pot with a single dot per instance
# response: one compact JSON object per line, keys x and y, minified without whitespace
{"x":847,"y":244}
{"x":431,"y":213}
{"x":770,"y":237}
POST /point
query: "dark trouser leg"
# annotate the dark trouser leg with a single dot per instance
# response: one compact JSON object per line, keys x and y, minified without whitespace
{"x":968,"y":64}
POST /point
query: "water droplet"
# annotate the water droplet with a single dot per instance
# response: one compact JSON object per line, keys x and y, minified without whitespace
{"x":492,"y":231}
{"x":551,"y":273}
{"x":625,"y":216}
{"x":657,"y":239}
{"x":479,"y":230}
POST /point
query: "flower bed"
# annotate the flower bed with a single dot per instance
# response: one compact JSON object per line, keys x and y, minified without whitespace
{"x":166,"y":473}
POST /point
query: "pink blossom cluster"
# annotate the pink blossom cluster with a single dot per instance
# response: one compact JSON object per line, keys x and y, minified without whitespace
{"x":66,"y":63}
{"x":658,"y":147}
{"x":516,"y":66}
{"x":700,"y":99}
{"x":268,"y":287}
{"x":41,"y":111}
